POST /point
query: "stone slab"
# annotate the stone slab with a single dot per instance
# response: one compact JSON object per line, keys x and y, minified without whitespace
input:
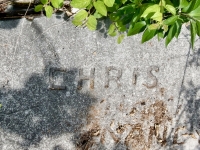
{"x":63,"y":88}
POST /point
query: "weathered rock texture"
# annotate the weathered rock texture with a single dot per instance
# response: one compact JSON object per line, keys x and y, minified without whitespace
{"x":64,"y":88}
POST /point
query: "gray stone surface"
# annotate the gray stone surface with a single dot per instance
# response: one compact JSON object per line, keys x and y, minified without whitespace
{"x":63,"y":88}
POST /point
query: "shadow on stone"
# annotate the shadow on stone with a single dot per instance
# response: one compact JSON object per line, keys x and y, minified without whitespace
{"x":188,"y":102}
{"x":9,"y":24}
{"x":190,"y":112}
{"x":57,"y":147}
{"x":195,"y":58}
{"x":193,"y":105}
{"x":36,"y":111}
{"x":102,"y":27}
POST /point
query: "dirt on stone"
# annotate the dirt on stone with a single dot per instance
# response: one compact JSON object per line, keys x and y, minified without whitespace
{"x":86,"y":139}
{"x":151,"y":124}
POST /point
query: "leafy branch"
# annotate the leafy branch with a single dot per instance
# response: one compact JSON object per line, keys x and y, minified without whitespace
{"x":161,"y":18}
{"x":48,"y":6}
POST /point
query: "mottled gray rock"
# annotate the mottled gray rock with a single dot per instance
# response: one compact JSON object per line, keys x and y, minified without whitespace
{"x":63,"y":88}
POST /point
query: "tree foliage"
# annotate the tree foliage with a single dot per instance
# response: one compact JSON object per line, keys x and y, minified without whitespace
{"x":161,"y":18}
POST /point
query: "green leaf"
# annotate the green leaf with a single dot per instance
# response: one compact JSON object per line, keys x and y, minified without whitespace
{"x":49,"y":11}
{"x":79,"y":17}
{"x":89,"y":6}
{"x":148,"y":34}
{"x":169,"y":2}
{"x":192,"y":5}
{"x":195,"y":13}
{"x":111,"y":29}
{"x":77,"y":22}
{"x":160,"y":35}
{"x":136,"y":28}
{"x":137,"y":2}
{"x":151,"y":9}
{"x":154,"y":26}
{"x":44,"y":1}
{"x":171,"y":34}
{"x":183,"y":3}
{"x":109,"y":3}
{"x":38,"y":8}
{"x":193,"y":32}
{"x":127,"y":19}
{"x":165,"y":28}
{"x":124,"y":1}
{"x":114,"y":8}
{"x":157,"y":16}
{"x":198,"y":28}
{"x":97,"y":15}
{"x":162,"y":3}
{"x":197,"y":4}
{"x":171,"y":9}
{"x":113,"y":34}
{"x":171,"y":20}
{"x":136,"y":17}
{"x":100,"y":7}
{"x":114,"y":17}
{"x":127,"y":9}
{"x":178,"y":27}
{"x":92,"y":23}
{"x":122,"y":28}
{"x":57,"y":3}
{"x":120,"y":38}
{"x":80,"y":3}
